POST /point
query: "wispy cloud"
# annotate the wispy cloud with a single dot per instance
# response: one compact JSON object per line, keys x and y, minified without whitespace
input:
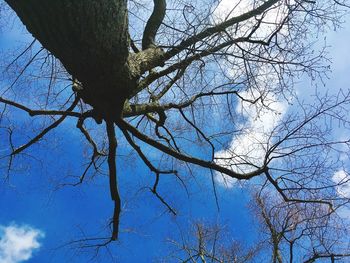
{"x":249,"y":147}
{"x":343,"y":180}
{"x":17,"y":243}
{"x":269,"y":21}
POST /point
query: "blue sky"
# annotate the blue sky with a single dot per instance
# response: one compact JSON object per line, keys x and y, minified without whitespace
{"x":31,"y":205}
{"x":30,"y":200}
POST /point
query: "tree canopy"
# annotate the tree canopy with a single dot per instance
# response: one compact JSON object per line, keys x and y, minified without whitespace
{"x":197,"y":90}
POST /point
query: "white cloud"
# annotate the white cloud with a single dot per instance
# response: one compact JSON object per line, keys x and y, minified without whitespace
{"x":261,"y":117}
{"x":17,"y":243}
{"x":227,"y":9}
{"x":343,"y":180}
{"x":250,"y":146}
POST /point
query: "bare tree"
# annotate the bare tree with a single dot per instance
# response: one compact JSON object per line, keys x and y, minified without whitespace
{"x":288,"y":232}
{"x":211,"y":244}
{"x":301,"y":232}
{"x":174,"y":78}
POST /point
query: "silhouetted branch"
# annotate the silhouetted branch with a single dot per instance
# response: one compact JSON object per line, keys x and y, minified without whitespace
{"x":112,"y":146}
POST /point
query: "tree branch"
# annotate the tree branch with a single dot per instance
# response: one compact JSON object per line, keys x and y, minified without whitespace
{"x":218,"y":28}
{"x":153,"y":169}
{"x":186,"y":158}
{"x":46,"y":130}
{"x":297,"y":200}
{"x":153,"y":24}
{"x":112,"y":144}
{"x":39,"y":112}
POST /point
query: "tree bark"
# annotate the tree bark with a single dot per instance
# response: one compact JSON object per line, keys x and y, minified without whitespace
{"x":90,"y":38}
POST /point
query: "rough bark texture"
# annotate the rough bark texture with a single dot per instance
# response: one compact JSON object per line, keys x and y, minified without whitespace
{"x":90,"y":38}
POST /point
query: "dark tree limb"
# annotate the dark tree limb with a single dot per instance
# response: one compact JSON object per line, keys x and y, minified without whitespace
{"x":140,"y":109}
{"x":45,"y":131}
{"x":80,"y":126}
{"x":153,"y":24}
{"x":187,"y":158}
{"x":160,"y":123}
{"x":81,"y":26}
{"x":296,"y":200}
{"x":219,"y":28}
{"x":112,"y":144}
{"x":32,"y":112}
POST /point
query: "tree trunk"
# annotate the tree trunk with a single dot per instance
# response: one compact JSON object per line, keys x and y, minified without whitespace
{"x":276,"y":253}
{"x":90,"y":38}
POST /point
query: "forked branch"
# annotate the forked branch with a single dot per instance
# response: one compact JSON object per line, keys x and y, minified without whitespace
{"x":153,"y":169}
{"x":46,"y":130}
{"x":187,"y":158}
